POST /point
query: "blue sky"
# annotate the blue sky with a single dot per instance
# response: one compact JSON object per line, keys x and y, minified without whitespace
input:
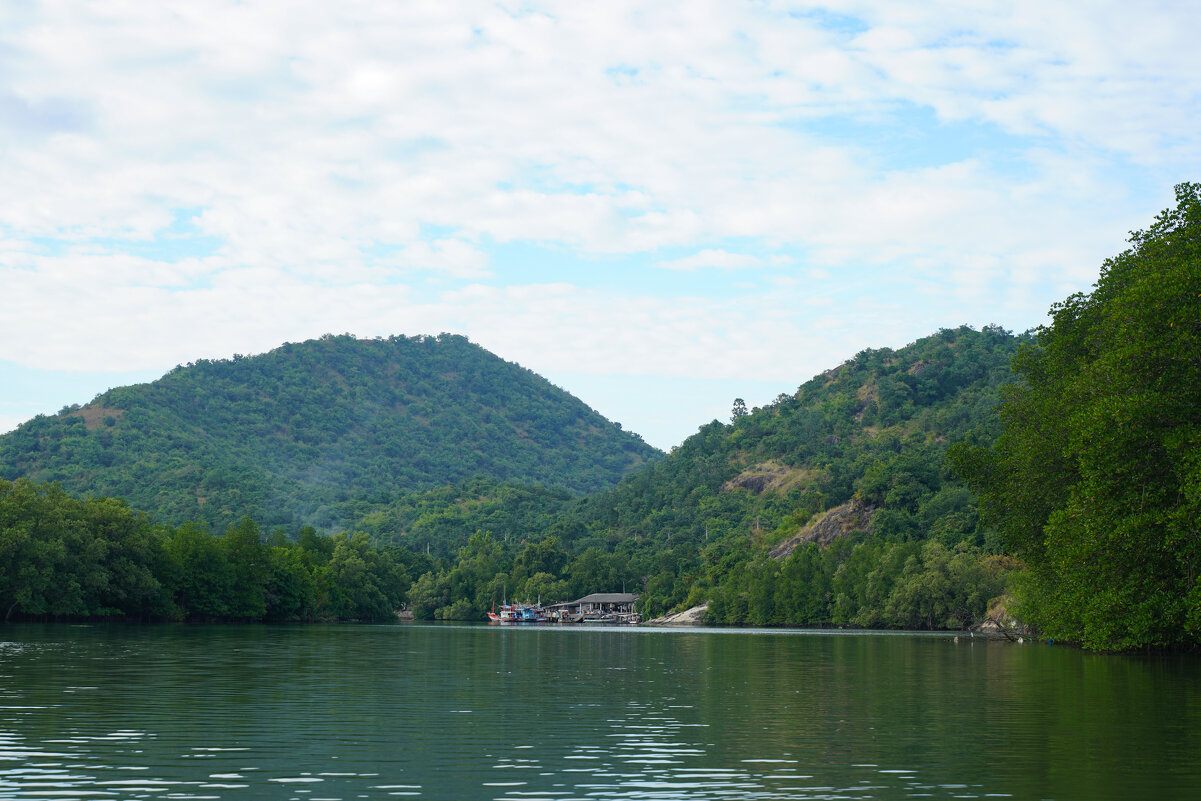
{"x":658,"y":206}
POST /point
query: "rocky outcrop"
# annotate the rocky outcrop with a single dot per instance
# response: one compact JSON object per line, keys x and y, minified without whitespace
{"x":758,"y":478}
{"x":998,"y":622}
{"x":689,"y":617}
{"x":770,"y":476}
{"x":854,"y":515}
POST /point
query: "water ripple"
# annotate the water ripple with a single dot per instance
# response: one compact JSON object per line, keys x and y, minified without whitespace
{"x":341,"y":713}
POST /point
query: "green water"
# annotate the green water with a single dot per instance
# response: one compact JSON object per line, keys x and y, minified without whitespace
{"x":477,"y":712}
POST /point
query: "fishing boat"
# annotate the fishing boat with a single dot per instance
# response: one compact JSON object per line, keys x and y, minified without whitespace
{"x":532,"y":614}
{"x":506,"y":615}
{"x":517,"y":613}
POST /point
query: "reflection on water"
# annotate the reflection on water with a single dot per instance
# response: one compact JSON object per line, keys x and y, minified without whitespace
{"x":473,"y":712}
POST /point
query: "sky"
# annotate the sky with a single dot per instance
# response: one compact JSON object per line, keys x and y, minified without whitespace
{"x":659,"y":206}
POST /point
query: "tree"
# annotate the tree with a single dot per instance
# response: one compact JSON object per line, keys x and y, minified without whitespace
{"x":428,"y":593}
{"x":203,"y":578}
{"x":28,"y":557}
{"x":738,"y":411}
{"x":250,"y":565}
{"x":366,"y":583}
{"x":1096,"y":479}
{"x":291,"y":589}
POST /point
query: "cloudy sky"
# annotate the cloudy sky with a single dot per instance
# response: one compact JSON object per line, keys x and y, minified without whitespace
{"x":657,"y":205}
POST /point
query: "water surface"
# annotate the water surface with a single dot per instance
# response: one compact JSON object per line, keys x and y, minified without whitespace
{"x":477,"y":712}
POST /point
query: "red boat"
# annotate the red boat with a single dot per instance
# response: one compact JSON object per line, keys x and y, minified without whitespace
{"x":517,"y":613}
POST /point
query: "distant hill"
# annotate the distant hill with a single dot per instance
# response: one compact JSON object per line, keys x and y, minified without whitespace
{"x":322,"y":432}
{"x":855,"y":457}
{"x":876,"y":426}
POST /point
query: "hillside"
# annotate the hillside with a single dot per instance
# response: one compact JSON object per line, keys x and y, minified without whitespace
{"x":872,"y":433}
{"x":322,"y":432}
{"x":875,"y":427}
{"x":830,"y":505}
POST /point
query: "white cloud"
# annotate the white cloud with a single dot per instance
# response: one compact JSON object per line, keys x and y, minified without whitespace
{"x":720,"y":259}
{"x":453,"y":257}
{"x":285,"y":123}
{"x":187,"y":179}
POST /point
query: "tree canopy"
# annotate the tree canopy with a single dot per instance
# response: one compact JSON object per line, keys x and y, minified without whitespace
{"x":66,"y":557}
{"x":1096,"y":479}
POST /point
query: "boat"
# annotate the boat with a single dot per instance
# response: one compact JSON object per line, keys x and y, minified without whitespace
{"x":517,"y":613}
{"x":506,"y":614}
{"x":532,"y":614}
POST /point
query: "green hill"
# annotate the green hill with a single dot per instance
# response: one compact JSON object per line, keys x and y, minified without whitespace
{"x":876,"y":428}
{"x":322,"y":432}
{"x":819,"y":489}
{"x":832,"y":505}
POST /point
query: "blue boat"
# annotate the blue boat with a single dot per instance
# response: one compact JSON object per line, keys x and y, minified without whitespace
{"x":517,"y":613}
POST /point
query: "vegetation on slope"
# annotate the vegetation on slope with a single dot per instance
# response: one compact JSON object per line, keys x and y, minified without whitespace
{"x":1096,"y":480}
{"x":700,"y":525}
{"x":322,"y":433}
{"x":874,"y":432}
{"x":440,"y":521}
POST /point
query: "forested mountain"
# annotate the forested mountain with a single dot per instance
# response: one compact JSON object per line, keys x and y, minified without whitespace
{"x":843,"y":481}
{"x":831,"y":505}
{"x":322,"y":433}
{"x":859,"y":450}
{"x":876,"y":427}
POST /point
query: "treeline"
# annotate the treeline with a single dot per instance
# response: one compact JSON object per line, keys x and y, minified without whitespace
{"x":868,"y":584}
{"x":486,"y":572}
{"x":859,"y":582}
{"x":68,"y":558}
{"x":856,"y":581}
{"x":63,"y":557}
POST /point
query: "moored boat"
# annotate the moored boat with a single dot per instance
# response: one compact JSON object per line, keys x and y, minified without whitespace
{"x":517,"y":613}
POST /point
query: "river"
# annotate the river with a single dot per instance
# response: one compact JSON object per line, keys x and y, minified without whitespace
{"x":461,"y":712}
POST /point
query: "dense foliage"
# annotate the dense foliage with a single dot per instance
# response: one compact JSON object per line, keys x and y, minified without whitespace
{"x":65,"y":557}
{"x":699,"y":525}
{"x":1096,"y":480}
{"x":322,"y":433}
{"x":873,"y":431}
{"x":440,"y":520}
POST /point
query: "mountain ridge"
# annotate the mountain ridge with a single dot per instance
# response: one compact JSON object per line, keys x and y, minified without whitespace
{"x":303,"y":433}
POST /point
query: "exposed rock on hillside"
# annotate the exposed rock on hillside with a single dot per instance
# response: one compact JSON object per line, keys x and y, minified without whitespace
{"x":999,"y":622}
{"x":689,"y":617}
{"x":769,"y":476}
{"x":855,"y":515}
